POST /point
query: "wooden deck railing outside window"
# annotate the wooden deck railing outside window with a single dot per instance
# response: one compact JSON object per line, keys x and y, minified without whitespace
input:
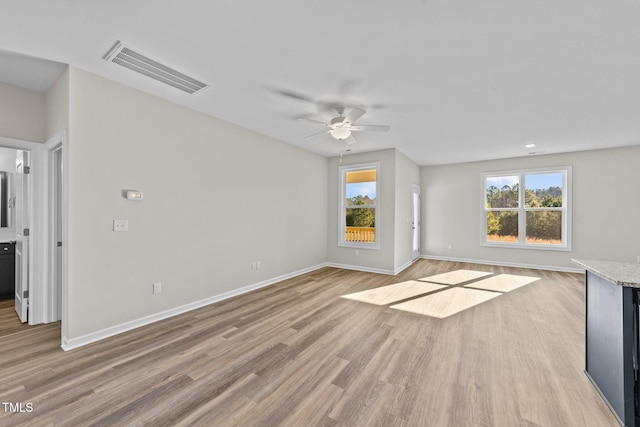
{"x":360,"y":234}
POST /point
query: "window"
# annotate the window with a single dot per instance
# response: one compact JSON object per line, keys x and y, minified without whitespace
{"x":527,"y":209}
{"x":358,"y":221}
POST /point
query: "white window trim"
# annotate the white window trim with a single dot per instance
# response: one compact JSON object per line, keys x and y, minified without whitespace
{"x":342,"y":221}
{"x":566,"y":209}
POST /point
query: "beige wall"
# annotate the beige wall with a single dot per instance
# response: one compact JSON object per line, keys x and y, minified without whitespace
{"x":407,"y":174}
{"x":372,"y":259}
{"x":605,"y":209}
{"x":22,"y":113}
{"x":397,"y":173}
{"x":57,"y":122}
{"x":57,"y":106}
{"x":216,"y":198}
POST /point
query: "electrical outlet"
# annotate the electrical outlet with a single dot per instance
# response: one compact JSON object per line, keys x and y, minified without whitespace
{"x":157,"y":288}
{"x":254,"y":267}
{"x":258,"y":265}
{"x":120,"y":225}
{"x":357,"y":252}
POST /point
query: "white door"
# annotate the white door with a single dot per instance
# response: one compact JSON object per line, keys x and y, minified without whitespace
{"x":22,"y":234}
{"x":415,"y":221}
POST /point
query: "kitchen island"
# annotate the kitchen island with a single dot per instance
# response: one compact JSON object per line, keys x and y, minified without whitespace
{"x":611,"y":334}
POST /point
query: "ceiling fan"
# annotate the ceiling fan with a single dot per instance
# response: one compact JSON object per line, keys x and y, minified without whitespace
{"x":342,"y":126}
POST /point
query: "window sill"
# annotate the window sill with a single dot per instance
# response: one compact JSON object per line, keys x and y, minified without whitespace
{"x":557,"y":248}
{"x":357,"y":245}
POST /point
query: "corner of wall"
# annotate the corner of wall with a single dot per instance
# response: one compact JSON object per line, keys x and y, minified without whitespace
{"x":57,"y":106}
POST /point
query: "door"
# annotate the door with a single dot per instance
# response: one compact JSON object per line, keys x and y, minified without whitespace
{"x":415,"y":221}
{"x":22,"y":234}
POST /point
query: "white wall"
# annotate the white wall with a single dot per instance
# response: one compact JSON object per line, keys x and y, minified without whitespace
{"x":605,"y":209}
{"x":216,"y":198}
{"x":22,"y":113}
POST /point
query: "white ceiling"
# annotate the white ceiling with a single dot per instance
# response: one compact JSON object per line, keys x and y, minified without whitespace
{"x":457,"y":80}
{"x":29,"y":72}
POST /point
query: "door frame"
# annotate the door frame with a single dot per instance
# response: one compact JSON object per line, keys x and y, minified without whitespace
{"x":51,"y":295}
{"x":37,"y":283}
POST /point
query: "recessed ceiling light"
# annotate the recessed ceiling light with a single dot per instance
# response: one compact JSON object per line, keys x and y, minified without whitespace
{"x":530,"y":145}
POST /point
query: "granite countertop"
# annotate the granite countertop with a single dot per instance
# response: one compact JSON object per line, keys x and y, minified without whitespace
{"x":620,"y":273}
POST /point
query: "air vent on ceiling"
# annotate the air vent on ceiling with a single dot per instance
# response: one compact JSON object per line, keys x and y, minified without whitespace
{"x":127,"y":57}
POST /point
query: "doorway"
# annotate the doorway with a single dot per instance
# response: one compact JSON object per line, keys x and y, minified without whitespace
{"x":55,"y":241}
{"x":15,"y":220}
{"x":22,"y":234}
{"x":415,"y":221}
{"x":41,"y":294}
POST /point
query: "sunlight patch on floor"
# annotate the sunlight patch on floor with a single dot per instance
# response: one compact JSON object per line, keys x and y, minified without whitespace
{"x":456,"y":277}
{"x":502,"y":283}
{"x":452,"y":292}
{"x":389,"y":294}
{"x":444,"y":304}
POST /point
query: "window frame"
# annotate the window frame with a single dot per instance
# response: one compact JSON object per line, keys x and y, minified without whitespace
{"x":522,"y":210}
{"x":342,"y":208}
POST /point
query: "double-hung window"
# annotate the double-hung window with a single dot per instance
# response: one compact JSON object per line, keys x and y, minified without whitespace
{"x":358,"y":206}
{"x":527,"y":208}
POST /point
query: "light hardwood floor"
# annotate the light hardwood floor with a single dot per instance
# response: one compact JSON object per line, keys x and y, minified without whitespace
{"x":297,"y":354}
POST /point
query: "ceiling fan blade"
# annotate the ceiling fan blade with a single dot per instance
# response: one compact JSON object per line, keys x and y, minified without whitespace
{"x":351,"y":140}
{"x":316,"y":134}
{"x":354,"y":115}
{"x":294,"y":95}
{"x":373,"y":128}
{"x":307,"y":119}
{"x":330,"y":106}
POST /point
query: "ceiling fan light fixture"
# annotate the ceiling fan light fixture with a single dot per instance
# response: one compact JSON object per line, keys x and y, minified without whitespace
{"x":340,"y":133}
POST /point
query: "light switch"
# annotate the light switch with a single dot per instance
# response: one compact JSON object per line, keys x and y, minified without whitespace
{"x":120,"y":225}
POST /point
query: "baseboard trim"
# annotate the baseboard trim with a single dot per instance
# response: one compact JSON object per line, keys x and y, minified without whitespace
{"x":360,"y":268}
{"x":394,"y":272}
{"x":404,"y":266}
{"x":502,"y":263}
{"x":70,"y":344}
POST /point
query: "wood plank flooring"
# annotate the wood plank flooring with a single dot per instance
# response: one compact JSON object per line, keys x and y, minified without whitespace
{"x":297,"y":354}
{"x":9,"y":320}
